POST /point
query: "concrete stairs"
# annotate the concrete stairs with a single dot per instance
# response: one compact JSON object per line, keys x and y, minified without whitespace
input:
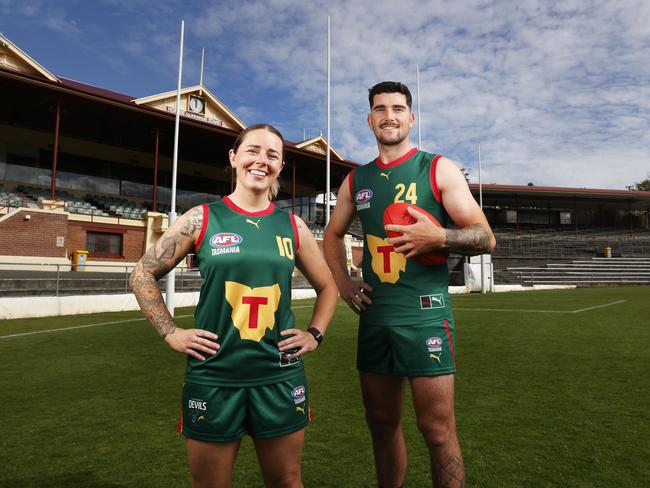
{"x":591,"y":272}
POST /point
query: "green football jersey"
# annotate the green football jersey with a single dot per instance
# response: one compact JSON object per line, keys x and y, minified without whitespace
{"x":405,"y":292}
{"x":246,"y":260}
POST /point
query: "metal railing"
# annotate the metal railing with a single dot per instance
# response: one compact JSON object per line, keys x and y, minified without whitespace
{"x":57,"y":279}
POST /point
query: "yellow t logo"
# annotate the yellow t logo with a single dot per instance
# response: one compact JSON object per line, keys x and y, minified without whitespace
{"x":253,"y":309}
{"x":386,"y":263}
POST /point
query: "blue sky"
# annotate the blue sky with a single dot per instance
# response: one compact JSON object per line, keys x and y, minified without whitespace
{"x":556,"y":92}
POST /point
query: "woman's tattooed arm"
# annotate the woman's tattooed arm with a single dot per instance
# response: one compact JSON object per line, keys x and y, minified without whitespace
{"x":171,"y":249}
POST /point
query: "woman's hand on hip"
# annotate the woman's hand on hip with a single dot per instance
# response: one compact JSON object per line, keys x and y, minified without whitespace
{"x":300,"y":340}
{"x":193,"y":342}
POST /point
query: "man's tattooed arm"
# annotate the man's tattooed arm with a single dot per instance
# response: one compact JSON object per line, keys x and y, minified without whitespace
{"x":468,"y":241}
{"x":171,"y":249}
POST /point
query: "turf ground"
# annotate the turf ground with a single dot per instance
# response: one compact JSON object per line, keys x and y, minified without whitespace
{"x":552,"y":390}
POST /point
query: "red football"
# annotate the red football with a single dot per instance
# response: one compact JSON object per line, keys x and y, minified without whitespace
{"x":397,"y":213}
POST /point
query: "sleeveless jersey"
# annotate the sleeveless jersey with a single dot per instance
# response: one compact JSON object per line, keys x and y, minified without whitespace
{"x":246,"y":260}
{"x":405,"y":292}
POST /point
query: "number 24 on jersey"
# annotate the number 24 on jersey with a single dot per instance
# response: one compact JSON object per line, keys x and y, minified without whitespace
{"x":411,"y":193}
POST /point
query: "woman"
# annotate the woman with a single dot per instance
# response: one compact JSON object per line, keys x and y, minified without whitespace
{"x":244,"y":373}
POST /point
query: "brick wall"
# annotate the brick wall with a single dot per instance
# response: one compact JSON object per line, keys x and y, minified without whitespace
{"x":34,"y":237}
{"x":132,"y":239}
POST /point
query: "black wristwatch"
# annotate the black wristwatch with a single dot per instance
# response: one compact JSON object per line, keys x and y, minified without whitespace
{"x":317,"y":334}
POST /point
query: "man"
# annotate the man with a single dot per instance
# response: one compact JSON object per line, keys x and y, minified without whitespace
{"x":406,"y":327}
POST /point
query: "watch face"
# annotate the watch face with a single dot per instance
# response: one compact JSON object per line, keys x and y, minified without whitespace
{"x":196,"y":104}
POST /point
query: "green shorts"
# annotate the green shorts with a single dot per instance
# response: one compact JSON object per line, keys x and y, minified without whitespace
{"x":416,"y":350}
{"x":224,"y":414}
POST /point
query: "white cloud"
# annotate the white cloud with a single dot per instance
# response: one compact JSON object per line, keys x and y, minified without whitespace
{"x":53,"y":16}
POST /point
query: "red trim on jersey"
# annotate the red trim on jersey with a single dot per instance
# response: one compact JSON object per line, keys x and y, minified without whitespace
{"x":451,"y":344}
{"x":260,"y":213}
{"x":295,"y":230}
{"x":179,"y":428}
{"x":400,"y":160}
{"x":350,"y":177}
{"x":433,"y":179}
{"x":204,"y":227}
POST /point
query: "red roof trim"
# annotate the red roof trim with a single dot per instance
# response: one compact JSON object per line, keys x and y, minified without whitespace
{"x":239,"y":210}
{"x":400,"y":160}
{"x":99,"y":92}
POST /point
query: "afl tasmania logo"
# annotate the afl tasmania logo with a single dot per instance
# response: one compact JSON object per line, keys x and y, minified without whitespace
{"x":225,"y":239}
{"x":362,"y":198}
{"x":298,"y":394}
{"x":434,"y":341}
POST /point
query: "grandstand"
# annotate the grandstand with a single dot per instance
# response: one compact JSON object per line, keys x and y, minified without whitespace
{"x":108,"y":175}
{"x":546,"y":227}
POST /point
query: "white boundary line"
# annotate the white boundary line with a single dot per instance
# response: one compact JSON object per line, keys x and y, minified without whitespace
{"x":509,"y":310}
{"x":307,"y":306}
{"x":579,"y":310}
{"x":21,"y":334}
{"x":598,"y":306}
{"x":69,"y":328}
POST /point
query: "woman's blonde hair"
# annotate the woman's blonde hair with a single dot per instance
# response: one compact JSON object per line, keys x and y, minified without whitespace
{"x":275,"y":186}
{"x":275,"y":189}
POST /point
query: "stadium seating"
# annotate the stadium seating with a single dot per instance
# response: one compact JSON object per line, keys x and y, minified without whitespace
{"x":566,"y":243}
{"x":89,"y":204}
{"x":15,"y":200}
{"x":596,"y":271}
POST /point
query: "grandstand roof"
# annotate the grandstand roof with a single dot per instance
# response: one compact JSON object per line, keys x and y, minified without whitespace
{"x":634,"y":199}
{"x":558,"y":190}
{"x":18,"y":65}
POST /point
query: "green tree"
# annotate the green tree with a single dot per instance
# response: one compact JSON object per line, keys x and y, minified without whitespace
{"x":643,"y":185}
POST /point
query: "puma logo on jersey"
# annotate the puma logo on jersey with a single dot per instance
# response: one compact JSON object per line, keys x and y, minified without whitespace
{"x":301,"y":410}
{"x":255,"y":223}
{"x":437,"y":358}
{"x":385,"y":175}
{"x":432,"y":301}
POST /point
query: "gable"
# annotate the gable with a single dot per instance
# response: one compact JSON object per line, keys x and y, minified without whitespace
{"x":14,"y":58}
{"x":318,"y":145}
{"x":196,"y":103}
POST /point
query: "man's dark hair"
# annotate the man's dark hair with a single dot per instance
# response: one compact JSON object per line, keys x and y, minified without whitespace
{"x":390,"y":87}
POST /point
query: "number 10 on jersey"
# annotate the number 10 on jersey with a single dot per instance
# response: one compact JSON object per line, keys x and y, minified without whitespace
{"x":285,"y":246}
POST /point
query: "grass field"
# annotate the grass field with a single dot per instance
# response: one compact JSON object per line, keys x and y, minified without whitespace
{"x":552,"y":390}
